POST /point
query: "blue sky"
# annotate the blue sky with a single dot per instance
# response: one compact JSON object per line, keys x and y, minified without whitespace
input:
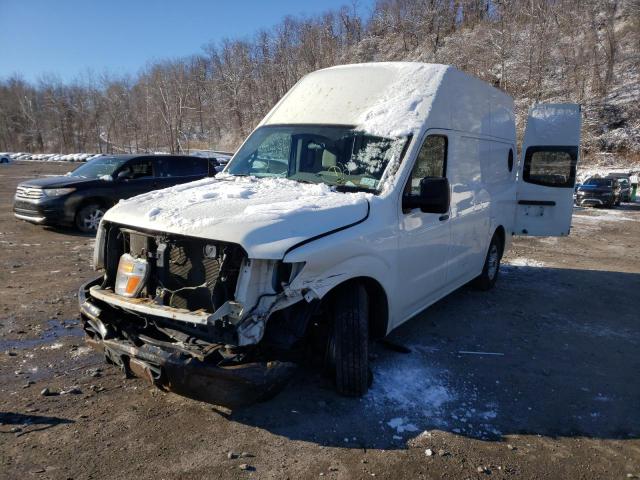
{"x":66,"y":38}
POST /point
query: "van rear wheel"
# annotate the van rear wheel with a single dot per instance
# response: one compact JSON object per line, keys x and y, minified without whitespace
{"x":349,"y":340}
{"x":487,"y":279}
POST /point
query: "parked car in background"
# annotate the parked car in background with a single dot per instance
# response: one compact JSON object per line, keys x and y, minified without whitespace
{"x":5,"y":158}
{"x":625,"y":187}
{"x":221,"y":158}
{"x":599,"y":192}
{"x":82,"y":196}
{"x":575,"y":190}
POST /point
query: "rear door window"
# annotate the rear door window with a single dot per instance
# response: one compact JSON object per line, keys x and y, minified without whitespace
{"x":139,"y":168}
{"x":185,"y":167}
{"x":550,"y":166}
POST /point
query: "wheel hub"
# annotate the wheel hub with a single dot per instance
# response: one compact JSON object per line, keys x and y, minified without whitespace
{"x":92,"y":219}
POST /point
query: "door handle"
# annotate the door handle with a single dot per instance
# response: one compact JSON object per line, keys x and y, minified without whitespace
{"x":442,"y":218}
{"x":549,"y":203}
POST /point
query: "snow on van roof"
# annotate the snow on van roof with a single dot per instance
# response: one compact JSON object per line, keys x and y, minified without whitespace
{"x":387,"y":99}
{"x":405,"y":103}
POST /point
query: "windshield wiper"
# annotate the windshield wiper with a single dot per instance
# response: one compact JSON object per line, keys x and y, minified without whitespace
{"x":303,"y":181}
{"x":353,"y":188}
{"x":228,"y":176}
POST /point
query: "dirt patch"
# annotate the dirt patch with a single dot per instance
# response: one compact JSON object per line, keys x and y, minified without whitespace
{"x":536,"y":378}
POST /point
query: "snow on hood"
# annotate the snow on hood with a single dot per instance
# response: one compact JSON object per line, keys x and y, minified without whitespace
{"x":266,"y":216}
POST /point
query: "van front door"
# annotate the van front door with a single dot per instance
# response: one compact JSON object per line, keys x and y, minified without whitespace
{"x":548,"y":170}
{"x":424,"y":237}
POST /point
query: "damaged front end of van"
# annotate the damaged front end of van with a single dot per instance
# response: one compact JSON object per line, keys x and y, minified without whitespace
{"x":196,"y":316}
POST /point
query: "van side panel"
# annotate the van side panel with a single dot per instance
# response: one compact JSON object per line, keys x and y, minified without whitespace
{"x":467,"y":104}
{"x":479,"y":122}
{"x":501,"y":184}
{"x":483,"y":118}
{"x":482,"y":199}
{"x":469,"y":217}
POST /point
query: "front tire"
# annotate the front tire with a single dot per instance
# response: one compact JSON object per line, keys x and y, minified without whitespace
{"x":88,"y":217}
{"x":487,"y":279}
{"x":349,"y":340}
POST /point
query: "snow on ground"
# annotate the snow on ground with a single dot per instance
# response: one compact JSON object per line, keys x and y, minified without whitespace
{"x":417,"y":396}
{"x":411,"y":393}
{"x":523,"y":262}
{"x":589,"y":215}
{"x":419,"y":387}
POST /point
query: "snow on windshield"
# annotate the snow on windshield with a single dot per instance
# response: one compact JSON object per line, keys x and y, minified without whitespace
{"x":334,"y":155}
{"x":375,"y":156}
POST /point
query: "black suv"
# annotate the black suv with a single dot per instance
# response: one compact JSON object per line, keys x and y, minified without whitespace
{"x":596,"y":191}
{"x":81,"y":197}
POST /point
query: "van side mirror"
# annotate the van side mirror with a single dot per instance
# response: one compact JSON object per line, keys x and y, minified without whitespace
{"x":123,"y":175}
{"x":434,"y":196}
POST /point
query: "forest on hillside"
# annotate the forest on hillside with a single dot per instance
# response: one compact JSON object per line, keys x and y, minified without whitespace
{"x":585,"y":51}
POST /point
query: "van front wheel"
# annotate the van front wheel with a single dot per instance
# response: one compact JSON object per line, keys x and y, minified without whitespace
{"x":487,"y":279}
{"x":350,"y":340}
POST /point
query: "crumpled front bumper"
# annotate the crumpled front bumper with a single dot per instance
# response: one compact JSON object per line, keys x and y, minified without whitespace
{"x":175,"y":370}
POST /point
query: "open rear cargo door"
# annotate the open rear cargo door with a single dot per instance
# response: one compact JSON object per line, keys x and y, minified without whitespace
{"x":548,"y":170}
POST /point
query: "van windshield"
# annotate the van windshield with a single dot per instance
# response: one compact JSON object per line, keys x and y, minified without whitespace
{"x":335,"y":155}
{"x":101,"y":167}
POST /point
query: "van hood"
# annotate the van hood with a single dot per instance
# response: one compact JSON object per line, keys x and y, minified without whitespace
{"x":265,"y":216}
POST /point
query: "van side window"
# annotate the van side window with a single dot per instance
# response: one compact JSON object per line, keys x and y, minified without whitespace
{"x":551,"y":166}
{"x":431,"y":162}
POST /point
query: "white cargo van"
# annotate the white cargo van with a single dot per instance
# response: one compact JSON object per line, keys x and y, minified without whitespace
{"x":367,"y":193}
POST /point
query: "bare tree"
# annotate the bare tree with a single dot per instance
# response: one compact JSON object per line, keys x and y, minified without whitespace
{"x":565,"y":50}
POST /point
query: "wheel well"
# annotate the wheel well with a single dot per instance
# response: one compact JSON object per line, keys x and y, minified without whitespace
{"x":103,"y":202}
{"x":378,"y":304}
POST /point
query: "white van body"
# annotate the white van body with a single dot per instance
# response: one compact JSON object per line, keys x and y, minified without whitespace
{"x":407,"y":258}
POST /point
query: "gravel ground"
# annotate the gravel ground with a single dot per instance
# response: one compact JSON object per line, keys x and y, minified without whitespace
{"x":534,"y":379}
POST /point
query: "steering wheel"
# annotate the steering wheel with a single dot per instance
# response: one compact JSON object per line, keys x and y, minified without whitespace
{"x":337,"y":171}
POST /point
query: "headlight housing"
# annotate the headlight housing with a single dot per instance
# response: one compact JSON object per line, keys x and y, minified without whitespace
{"x":57,"y":192}
{"x":131,"y":276}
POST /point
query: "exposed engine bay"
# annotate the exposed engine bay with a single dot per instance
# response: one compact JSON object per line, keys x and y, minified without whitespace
{"x":169,"y":303}
{"x":184,"y":272}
